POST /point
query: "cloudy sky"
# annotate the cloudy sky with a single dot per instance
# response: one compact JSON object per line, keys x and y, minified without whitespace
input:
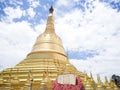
{"x":89,"y":29}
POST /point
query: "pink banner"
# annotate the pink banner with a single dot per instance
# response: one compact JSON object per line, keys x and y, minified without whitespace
{"x":79,"y":86}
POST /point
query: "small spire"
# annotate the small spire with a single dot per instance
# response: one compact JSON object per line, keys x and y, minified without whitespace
{"x":91,"y":75}
{"x":51,"y":9}
{"x":106,"y":82}
{"x":98,"y":78}
{"x":99,"y":81}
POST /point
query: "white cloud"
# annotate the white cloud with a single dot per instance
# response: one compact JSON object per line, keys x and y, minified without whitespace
{"x":97,"y":30}
{"x":40,"y":28}
{"x":12,"y":13}
{"x":63,"y":3}
{"x":90,"y":29}
{"x":17,"y":13}
{"x":31,"y":12}
{"x":16,"y":42}
{"x":13,"y":2}
{"x":114,"y":0}
{"x":34,"y":3}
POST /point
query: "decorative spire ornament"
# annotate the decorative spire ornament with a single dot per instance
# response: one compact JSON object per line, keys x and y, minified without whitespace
{"x":51,"y":9}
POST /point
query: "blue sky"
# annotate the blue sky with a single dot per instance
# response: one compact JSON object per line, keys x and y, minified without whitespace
{"x":41,"y":6}
{"x":89,"y":29}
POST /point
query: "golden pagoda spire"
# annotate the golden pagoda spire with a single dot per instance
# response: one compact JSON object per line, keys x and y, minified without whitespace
{"x":50,"y":22}
{"x":99,"y":84}
{"x":107,"y":85}
{"x":87,"y":83}
{"x":106,"y":81}
{"x":49,"y":41}
{"x":92,"y":80}
{"x":99,"y":81}
{"x":86,"y":77}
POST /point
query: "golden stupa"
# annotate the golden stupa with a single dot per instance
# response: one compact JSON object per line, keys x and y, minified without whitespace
{"x":44,"y":63}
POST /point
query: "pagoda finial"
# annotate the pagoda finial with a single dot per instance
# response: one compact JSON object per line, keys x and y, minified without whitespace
{"x":91,"y":75}
{"x":98,"y":78}
{"x":51,"y":9}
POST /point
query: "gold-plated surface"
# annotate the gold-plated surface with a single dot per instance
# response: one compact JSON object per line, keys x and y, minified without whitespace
{"x":42,"y":66}
{"x":49,"y":41}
